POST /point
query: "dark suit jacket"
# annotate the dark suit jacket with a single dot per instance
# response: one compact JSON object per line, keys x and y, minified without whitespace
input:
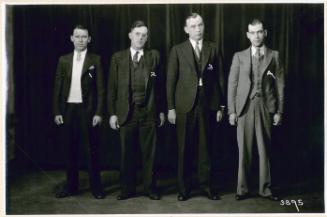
{"x":239,"y":81}
{"x":91,"y":84}
{"x":119,"y":85}
{"x":182,"y":77}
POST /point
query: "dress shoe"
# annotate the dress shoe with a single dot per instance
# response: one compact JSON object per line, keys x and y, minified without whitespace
{"x":182,"y":197}
{"x":213,"y":196}
{"x":125,"y":196}
{"x":272,"y":197}
{"x":154,"y":195}
{"x":99,"y":194}
{"x":65,"y":193}
{"x":242,"y":196}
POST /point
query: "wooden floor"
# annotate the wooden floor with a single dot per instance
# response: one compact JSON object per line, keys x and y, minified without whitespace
{"x":33,"y":193}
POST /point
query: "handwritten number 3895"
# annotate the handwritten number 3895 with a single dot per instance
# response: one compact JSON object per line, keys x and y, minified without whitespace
{"x":296,"y":203}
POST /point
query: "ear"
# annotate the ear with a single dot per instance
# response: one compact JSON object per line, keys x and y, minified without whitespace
{"x":130,"y":35}
{"x":186,"y":30}
{"x":72,"y":38}
{"x":89,"y":39}
{"x":265,"y":33}
{"x":248,"y":35}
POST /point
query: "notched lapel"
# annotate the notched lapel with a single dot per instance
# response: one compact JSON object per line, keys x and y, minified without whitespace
{"x":206,"y":49}
{"x":147,"y":66}
{"x":187,"y":51}
{"x":125,"y":65}
{"x":266,"y":61}
{"x":69,"y":69}
{"x":86,"y":64}
{"x":246,"y":59}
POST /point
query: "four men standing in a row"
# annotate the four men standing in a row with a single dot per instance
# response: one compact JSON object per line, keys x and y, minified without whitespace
{"x":196,"y":101}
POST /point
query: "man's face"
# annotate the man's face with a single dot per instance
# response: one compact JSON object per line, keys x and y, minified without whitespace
{"x":256,"y":34}
{"x":138,"y":36}
{"x":80,"y":39}
{"x":194,"y":28}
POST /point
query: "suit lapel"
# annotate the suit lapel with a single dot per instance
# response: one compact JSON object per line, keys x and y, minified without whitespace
{"x":205,"y":53}
{"x":247,"y":61}
{"x":87,"y":63}
{"x":69,"y":70}
{"x":147,"y":67}
{"x":126,"y":66}
{"x":266,"y":60}
{"x":188,"y":54}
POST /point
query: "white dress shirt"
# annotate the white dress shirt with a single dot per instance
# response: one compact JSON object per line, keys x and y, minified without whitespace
{"x":193,"y":42}
{"x":133,"y":51}
{"x":75,"y":92}
{"x":262,"y":50}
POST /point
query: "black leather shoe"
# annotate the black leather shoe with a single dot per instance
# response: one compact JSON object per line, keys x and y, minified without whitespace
{"x":154,"y":196}
{"x":272,"y":197}
{"x":125,"y":196}
{"x":99,"y":194}
{"x":242,"y":196}
{"x":65,"y":193}
{"x":182,"y":197}
{"x":213,"y":196}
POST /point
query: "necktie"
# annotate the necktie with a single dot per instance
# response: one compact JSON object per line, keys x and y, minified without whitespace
{"x":79,"y":56}
{"x":257,"y":52}
{"x":197,"y":50}
{"x":135,"y":58}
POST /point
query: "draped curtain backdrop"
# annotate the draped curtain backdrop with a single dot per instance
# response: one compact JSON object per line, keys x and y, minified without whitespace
{"x":42,"y":33}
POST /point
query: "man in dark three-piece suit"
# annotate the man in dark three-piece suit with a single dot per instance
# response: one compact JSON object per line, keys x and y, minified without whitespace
{"x":134,"y":105}
{"x":255,"y":103}
{"x":77,"y":108}
{"x":195,"y":97}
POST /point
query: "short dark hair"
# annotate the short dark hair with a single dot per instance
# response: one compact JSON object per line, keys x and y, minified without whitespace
{"x":256,"y":21}
{"x":191,"y":15}
{"x":138,"y":23}
{"x":81,"y":26}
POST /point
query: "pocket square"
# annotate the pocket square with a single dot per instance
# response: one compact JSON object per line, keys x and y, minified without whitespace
{"x":91,"y":67}
{"x":271,"y":74}
{"x":153,"y":74}
{"x":210,"y":67}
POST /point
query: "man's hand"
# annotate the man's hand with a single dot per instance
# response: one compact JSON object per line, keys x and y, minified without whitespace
{"x":113,"y":121}
{"x":220,"y":115}
{"x":59,"y":119}
{"x":172,"y":116}
{"x":277,"y":119}
{"x":162,"y":119}
{"x":96,"y":120}
{"x":233,"y":119}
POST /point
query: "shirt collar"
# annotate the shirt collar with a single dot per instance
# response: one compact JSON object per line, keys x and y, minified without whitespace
{"x":83,"y":53}
{"x":193,"y":42}
{"x":262,"y":50}
{"x":133,"y":51}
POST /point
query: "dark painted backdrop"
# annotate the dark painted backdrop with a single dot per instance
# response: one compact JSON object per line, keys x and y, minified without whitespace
{"x":42,"y":33}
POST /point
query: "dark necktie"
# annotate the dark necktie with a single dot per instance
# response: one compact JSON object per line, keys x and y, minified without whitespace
{"x":135,"y":58}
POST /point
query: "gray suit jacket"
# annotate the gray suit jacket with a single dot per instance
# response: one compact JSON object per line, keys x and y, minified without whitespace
{"x":239,"y":81}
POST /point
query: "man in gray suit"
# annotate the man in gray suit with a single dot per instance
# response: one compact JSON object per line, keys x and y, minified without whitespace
{"x":255,"y":103}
